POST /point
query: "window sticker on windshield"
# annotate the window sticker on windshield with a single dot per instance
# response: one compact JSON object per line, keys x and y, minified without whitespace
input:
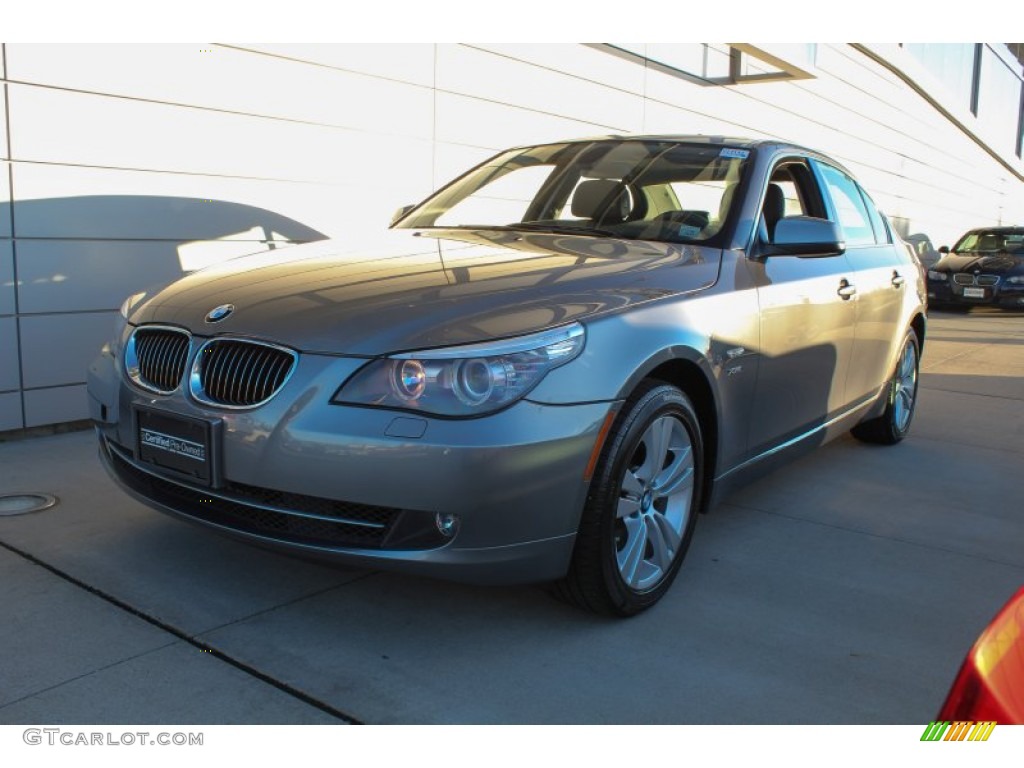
{"x":688,"y":230}
{"x":742,"y":154}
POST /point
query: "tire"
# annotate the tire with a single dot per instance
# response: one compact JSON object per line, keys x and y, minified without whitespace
{"x":641,"y":509}
{"x":901,"y":398}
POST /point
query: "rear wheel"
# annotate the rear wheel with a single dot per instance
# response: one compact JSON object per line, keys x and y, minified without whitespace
{"x":901,"y":398}
{"x":642,"y":506}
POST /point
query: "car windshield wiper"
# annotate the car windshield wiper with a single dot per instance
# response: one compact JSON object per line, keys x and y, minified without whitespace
{"x":538,"y":226}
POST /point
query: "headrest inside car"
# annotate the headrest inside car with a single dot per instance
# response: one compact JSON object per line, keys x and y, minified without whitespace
{"x":606,"y":200}
{"x":989,"y":243}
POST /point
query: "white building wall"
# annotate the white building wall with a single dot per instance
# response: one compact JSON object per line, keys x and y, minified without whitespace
{"x":127,"y":165}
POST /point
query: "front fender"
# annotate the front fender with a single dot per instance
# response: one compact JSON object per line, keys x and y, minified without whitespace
{"x":714,"y":333}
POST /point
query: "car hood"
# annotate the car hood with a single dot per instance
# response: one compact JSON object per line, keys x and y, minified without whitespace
{"x":984,"y":263}
{"x":429,"y":288}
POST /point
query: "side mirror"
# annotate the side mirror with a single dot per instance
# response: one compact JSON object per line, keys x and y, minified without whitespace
{"x":806,"y":236}
{"x":400,"y":214}
{"x":944,"y":250}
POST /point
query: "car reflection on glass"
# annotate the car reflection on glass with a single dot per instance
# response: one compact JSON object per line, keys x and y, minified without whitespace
{"x":540,"y":374}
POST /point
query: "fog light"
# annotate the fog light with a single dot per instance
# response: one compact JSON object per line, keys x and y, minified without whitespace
{"x":447,"y":524}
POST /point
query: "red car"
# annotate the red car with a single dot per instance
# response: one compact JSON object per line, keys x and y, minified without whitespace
{"x":990,"y":684}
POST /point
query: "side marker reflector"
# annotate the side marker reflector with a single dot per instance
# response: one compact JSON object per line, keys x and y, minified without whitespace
{"x":602,"y":435}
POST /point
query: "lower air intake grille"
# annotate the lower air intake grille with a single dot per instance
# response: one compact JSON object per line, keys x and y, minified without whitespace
{"x":309,"y":520}
{"x":236,"y":373}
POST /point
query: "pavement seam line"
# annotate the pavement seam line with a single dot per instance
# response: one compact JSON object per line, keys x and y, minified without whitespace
{"x":84,"y":675}
{"x":287,"y":604}
{"x":184,"y":636}
{"x":977,"y":446}
{"x":969,"y":394}
{"x":972,"y":349}
{"x":918,"y":544}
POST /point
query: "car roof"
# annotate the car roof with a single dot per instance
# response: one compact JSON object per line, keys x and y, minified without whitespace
{"x":732,"y":141}
{"x":1009,"y":230}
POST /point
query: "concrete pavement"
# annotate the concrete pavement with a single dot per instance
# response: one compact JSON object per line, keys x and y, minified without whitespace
{"x":844,"y":588}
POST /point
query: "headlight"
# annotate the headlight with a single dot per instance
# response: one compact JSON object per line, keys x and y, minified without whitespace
{"x":130,"y":303}
{"x":940,"y":276}
{"x":1015,"y":280}
{"x":463,"y":381}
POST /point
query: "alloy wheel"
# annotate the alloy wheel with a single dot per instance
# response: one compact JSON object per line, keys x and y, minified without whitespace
{"x":655,"y":503}
{"x":905,"y":387}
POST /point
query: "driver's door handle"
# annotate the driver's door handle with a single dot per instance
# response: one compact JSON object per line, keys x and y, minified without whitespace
{"x":847,"y":290}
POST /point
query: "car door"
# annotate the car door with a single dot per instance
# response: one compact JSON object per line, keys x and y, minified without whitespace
{"x":881,"y":276}
{"x":807,"y":319}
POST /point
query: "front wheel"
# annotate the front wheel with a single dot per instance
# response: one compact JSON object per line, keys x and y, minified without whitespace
{"x":642,"y":506}
{"x":901,"y":398}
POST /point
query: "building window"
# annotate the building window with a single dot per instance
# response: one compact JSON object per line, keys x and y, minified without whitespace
{"x":707,"y":61}
{"x":725,"y":63}
{"x":952,"y":64}
{"x":999,"y":92}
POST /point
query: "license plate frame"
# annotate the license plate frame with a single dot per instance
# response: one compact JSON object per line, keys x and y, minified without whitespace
{"x":178,"y":446}
{"x":974,"y":293}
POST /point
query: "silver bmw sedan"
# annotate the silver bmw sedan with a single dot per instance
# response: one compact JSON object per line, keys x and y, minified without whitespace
{"x":541,"y":373}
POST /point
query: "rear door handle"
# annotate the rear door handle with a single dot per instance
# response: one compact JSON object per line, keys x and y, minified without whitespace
{"x":847,"y":290}
{"x":898,"y":280}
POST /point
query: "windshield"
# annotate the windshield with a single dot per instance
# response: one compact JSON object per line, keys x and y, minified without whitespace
{"x":649,"y":190}
{"x":991,"y":242}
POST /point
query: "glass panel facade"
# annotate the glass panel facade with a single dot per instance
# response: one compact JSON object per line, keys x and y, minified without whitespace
{"x":686,"y":57}
{"x":704,"y":60}
{"x":952,"y":64}
{"x":999,"y":101}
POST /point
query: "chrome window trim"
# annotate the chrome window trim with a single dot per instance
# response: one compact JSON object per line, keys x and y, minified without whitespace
{"x":131,"y":358}
{"x":804,"y":436}
{"x":195,"y":384}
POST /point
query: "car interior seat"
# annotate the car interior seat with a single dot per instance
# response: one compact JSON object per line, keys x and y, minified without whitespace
{"x":989,"y":242}
{"x":602,"y":200}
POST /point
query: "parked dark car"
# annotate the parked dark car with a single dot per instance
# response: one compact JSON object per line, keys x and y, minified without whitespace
{"x":985,"y":267}
{"x":541,"y":374}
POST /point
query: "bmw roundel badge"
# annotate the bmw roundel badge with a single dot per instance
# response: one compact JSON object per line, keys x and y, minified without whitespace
{"x":217,"y":314}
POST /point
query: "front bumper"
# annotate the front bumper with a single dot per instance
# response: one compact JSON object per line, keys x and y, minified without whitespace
{"x":356,"y":485}
{"x":1003,"y":294}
